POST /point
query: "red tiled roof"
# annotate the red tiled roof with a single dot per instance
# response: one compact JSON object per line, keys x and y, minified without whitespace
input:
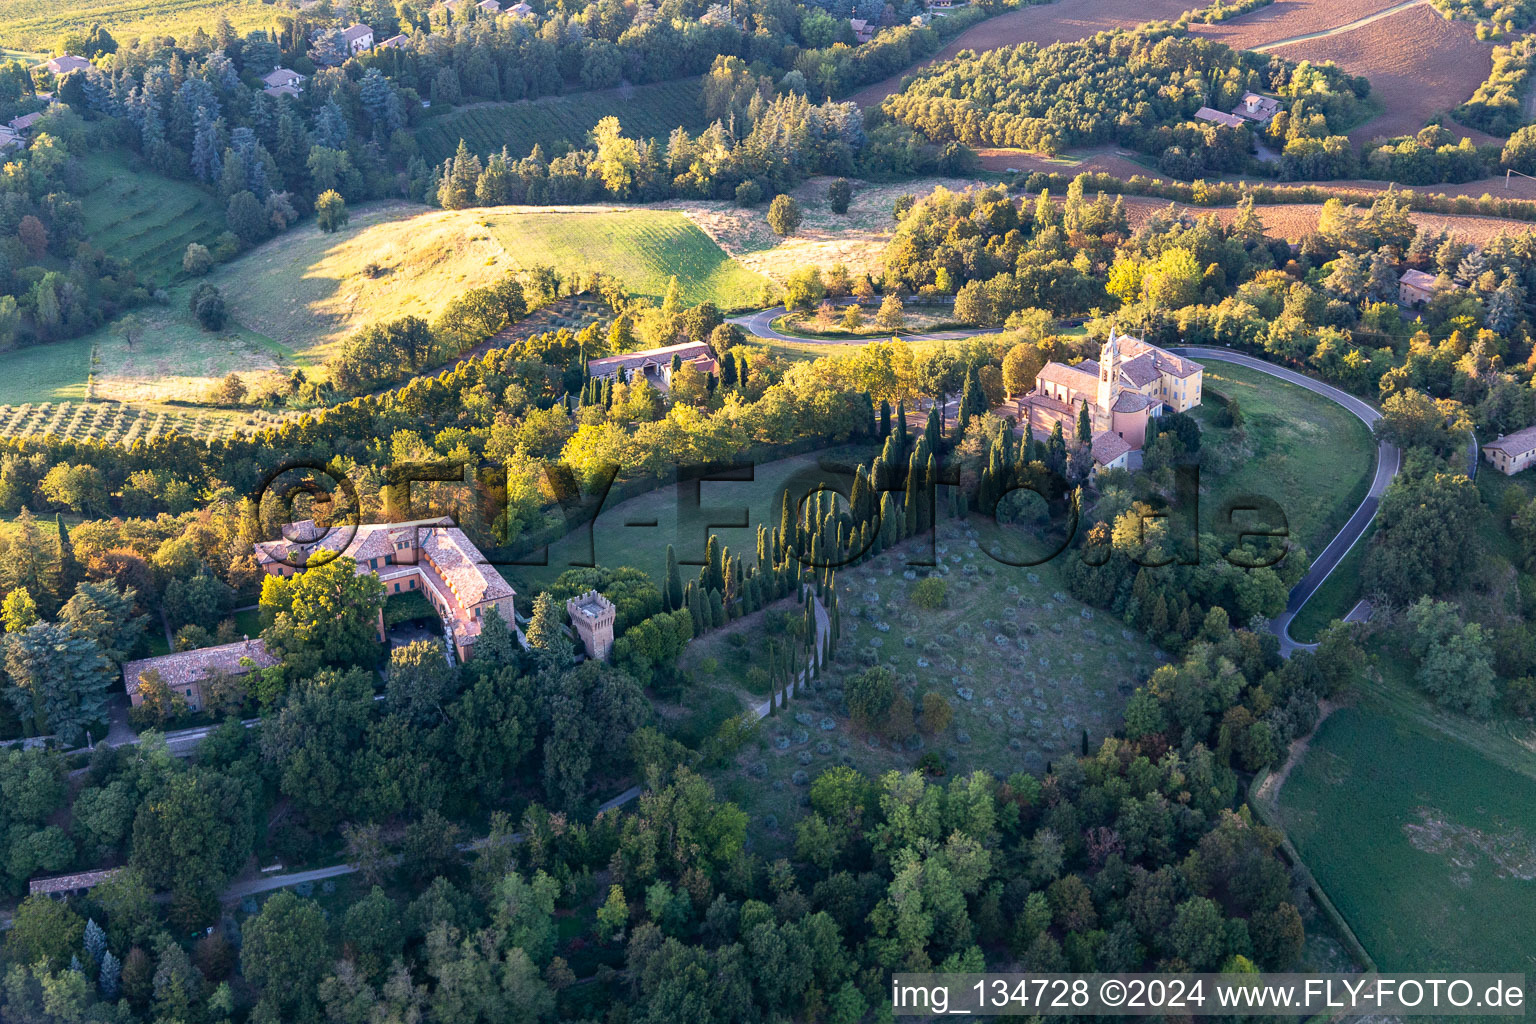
{"x":1108,"y":446}
{"x":192,"y":666}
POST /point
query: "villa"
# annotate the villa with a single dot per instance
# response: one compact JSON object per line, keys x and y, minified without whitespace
{"x":184,"y":672}
{"x":432,"y":556}
{"x":655,"y":363}
{"x":1131,"y":382}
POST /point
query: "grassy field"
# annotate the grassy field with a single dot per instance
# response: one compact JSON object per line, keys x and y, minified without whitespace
{"x":1423,"y":844}
{"x":645,"y":111}
{"x":55,"y":372}
{"x":1297,"y":448}
{"x":643,"y":248}
{"x":34,"y":24}
{"x":1025,"y":668}
{"x":143,"y":218}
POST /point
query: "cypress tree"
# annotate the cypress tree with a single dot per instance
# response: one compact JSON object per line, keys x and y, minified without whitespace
{"x":788,"y":535}
{"x":70,"y":574}
{"x":1084,"y":424}
{"x":716,"y":609}
{"x":672,"y":596}
{"x":901,"y":425}
{"x":885,"y":418}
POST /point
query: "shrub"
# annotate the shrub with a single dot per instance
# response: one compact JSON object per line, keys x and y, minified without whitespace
{"x":749,"y":193}
{"x":839,"y":195}
{"x":930,"y":593}
{"x":207,"y":304}
{"x":784,"y":215}
{"x":197,"y":260}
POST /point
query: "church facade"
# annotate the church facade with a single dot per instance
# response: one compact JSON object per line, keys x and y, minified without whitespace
{"x":1131,"y":382}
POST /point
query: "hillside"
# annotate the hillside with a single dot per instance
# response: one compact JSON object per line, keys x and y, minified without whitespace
{"x":144,"y":218}
{"x":33,"y":24}
{"x":644,"y":111}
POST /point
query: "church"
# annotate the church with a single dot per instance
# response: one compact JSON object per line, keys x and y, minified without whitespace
{"x":1131,"y":382}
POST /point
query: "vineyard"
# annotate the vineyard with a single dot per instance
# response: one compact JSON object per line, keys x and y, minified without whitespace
{"x":117,"y":423}
{"x":645,"y":111}
{"x":642,"y":248}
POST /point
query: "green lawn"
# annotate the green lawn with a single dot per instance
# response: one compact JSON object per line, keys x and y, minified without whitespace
{"x":1425,"y":846}
{"x":53,"y":372}
{"x":1299,"y":449}
{"x":143,"y":218}
{"x":642,"y":248}
{"x":644,"y":111}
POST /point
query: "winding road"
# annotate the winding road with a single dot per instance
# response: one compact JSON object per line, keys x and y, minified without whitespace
{"x":1388,"y":457}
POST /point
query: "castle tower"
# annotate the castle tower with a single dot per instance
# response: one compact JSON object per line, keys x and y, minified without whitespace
{"x":592,"y":614}
{"x":1108,"y":371}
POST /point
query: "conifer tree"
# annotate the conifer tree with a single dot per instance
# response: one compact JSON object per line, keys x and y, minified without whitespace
{"x":672,"y":595}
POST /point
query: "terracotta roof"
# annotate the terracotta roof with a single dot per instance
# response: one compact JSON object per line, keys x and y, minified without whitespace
{"x":185,"y":667}
{"x":1108,"y":446}
{"x":70,"y":883}
{"x":281,"y":76}
{"x":520,"y":9}
{"x":66,"y":64}
{"x":1418,"y":279}
{"x":355,"y":32}
{"x":489,"y":6}
{"x":1132,"y":401}
{"x":1256,"y":107}
{"x":281,"y":90}
{"x":25,"y":121}
{"x":1210,"y":114}
{"x":396,"y":42}
{"x":688,"y":350}
{"x":463,"y":567}
{"x":1140,"y":370}
{"x":1082,"y":377}
{"x":1162,"y":359}
{"x":1518,"y":443}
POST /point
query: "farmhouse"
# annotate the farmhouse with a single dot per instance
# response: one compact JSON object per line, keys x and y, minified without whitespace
{"x":432,"y":556}
{"x":1415,"y":287}
{"x":8,"y":139}
{"x":23,"y":124}
{"x":357,"y":38}
{"x":64,"y":65}
{"x":185,"y":671}
{"x":1254,"y":107}
{"x":396,"y":42}
{"x":520,"y":10}
{"x":1131,"y":382}
{"x":862,"y":30}
{"x":489,"y":6}
{"x":1217,"y":117}
{"x":655,"y":363}
{"x":1512,"y":452}
{"x":282,"y":81}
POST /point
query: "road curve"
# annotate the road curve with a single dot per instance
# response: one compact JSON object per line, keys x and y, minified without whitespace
{"x":1389,"y":459}
{"x":760,"y":324}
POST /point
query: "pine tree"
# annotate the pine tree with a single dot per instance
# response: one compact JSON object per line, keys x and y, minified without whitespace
{"x":111,"y":973}
{"x":95,"y":941}
{"x":546,"y":633}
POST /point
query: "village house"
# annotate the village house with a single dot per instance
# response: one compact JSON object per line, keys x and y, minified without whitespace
{"x":1512,"y":452}
{"x":1253,"y":107}
{"x":432,"y":556}
{"x":185,"y":672}
{"x":396,"y":42}
{"x":22,"y":126}
{"x":1415,"y":288}
{"x":655,"y":364}
{"x":8,"y":139}
{"x":282,"y":82}
{"x":491,"y":7}
{"x":862,"y":30}
{"x":1217,"y":117}
{"x":358,"y":38}
{"x":1131,"y":382}
{"x":520,"y":10}
{"x":61,"y":66}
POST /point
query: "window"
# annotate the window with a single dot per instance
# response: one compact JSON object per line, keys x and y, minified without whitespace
{"x":373,"y":563}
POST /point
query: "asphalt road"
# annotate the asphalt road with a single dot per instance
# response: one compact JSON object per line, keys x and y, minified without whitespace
{"x":1389,"y":460}
{"x":761,"y":325}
